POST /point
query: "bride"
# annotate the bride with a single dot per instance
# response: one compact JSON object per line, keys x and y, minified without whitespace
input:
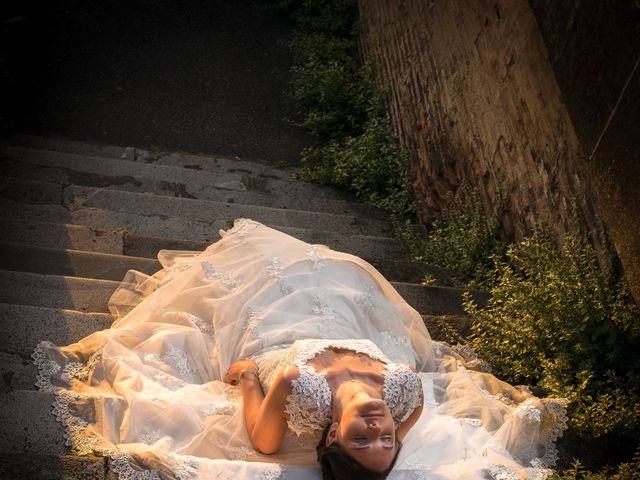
{"x":263,"y":356}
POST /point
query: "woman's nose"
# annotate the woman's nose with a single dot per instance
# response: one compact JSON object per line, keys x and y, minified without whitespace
{"x":373,"y":424}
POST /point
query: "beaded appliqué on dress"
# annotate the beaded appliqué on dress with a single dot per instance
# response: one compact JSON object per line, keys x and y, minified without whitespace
{"x":529,"y":411}
{"x":389,"y":340}
{"x":150,"y":438}
{"x":364,"y":298}
{"x":204,"y":327}
{"x":174,"y":270}
{"x":316,"y":258}
{"x":243,"y":453}
{"x":327,"y":315}
{"x":474,"y":422}
{"x":223,"y":408}
{"x":78,"y":371}
{"x":121,"y":464}
{"x":175,"y":357}
{"x":254,"y":324}
{"x":309,"y":404}
{"x":419,"y":470}
{"x":274,"y":270}
{"x":232,"y":282}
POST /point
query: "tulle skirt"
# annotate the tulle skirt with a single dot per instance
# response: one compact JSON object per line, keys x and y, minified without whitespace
{"x":148,"y":392}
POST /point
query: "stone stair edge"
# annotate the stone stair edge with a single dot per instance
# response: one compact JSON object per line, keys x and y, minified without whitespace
{"x":233,"y":181}
{"x":66,"y":194}
{"x":23,"y":185}
{"x":95,"y":293}
{"x":125,"y":153}
{"x":186,"y":230}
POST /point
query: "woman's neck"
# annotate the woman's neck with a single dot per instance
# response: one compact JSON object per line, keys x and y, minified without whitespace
{"x":351,"y":390}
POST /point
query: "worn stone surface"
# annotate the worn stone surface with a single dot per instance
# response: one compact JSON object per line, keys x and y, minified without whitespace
{"x":28,"y":425}
{"x":24,"y":326}
{"x":234,"y":184}
{"x":17,"y":372}
{"x":49,"y":467}
{"x":73,"y":263}
{"x":30,"y":191}
{"x":161,"y":226}
{"x":210,"y":211}
{"x":435,"y":300}
{"x":55,"y":291}
{"x":472,"y":97}
{"x":60,"y":235}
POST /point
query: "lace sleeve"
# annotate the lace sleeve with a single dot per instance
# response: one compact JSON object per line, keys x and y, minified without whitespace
{"x":309,"y":404}
{"x":402,"y":391}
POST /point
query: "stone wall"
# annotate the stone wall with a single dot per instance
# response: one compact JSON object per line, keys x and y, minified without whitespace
{"x":593,"y":47}
{"x":473,"y":97}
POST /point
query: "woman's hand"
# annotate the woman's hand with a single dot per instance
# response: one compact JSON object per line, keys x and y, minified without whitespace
{"x":236,"y":368}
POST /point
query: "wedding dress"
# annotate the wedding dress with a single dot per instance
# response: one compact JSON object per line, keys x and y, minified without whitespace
{"x":148,"y":392}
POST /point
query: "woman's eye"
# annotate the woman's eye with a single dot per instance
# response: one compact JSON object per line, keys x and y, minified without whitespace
{"x":387,"y":439}
{"x":361,"y":440}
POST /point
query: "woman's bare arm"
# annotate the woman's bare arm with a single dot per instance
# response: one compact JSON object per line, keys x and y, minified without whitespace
{"x":264,"y":415}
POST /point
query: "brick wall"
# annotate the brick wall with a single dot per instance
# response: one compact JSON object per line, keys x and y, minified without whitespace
{"x":472,"y":96}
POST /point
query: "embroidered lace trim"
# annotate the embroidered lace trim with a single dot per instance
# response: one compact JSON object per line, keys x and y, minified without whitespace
{"x":274,"y":270}
{"x":174,"y":270}
{"x":123,"y":463}
{"x":316,"y":257}
{"x":326,"y":314}
{"x":200,"y":324}
{"x":309,"y":404}
{"x":402,"y":391}
{"x":232,"y":282}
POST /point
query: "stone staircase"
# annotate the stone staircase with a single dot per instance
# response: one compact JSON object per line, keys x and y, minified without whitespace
{"x":75,"y":217}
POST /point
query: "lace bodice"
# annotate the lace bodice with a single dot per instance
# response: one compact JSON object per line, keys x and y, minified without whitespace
{"x":309,"y":404}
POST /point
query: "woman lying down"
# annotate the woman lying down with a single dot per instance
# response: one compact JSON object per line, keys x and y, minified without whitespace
{"x":266,"y":357}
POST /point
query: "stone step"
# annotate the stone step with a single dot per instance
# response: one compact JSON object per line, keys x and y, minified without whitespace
{"x":435,"y":300}
{"x":30,"y":191}
{"x":34,"y":466}
{"x":226,"y":184}
{"x":135,"y":154}
{"x":74,"y":263}
{"x":207,"y":211}
{"x":18,"y":372}
{"x":90,"y":295}
{"x":28,"y":425}
{"x":24,"y":326}
{"x":55,"y":291}
{"x":441,"y":326}
{"x":119,"y":242}
{"x":162,"y":226}
{"x":60,"y":235}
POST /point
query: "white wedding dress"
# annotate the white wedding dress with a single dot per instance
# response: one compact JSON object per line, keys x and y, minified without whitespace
{"x":148,"y":391}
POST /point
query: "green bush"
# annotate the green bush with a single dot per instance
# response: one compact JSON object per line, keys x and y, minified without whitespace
{"x":555,"y":321}
{"x":463,"y":239}
{"x":336,"y":17}
{"x":624,"y":471}
{"x":343,"y":109}
{"x":371,"y":165}
{"x":330,"y":85}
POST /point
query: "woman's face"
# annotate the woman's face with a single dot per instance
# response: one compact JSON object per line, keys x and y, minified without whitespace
{"x":366,"y":432}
